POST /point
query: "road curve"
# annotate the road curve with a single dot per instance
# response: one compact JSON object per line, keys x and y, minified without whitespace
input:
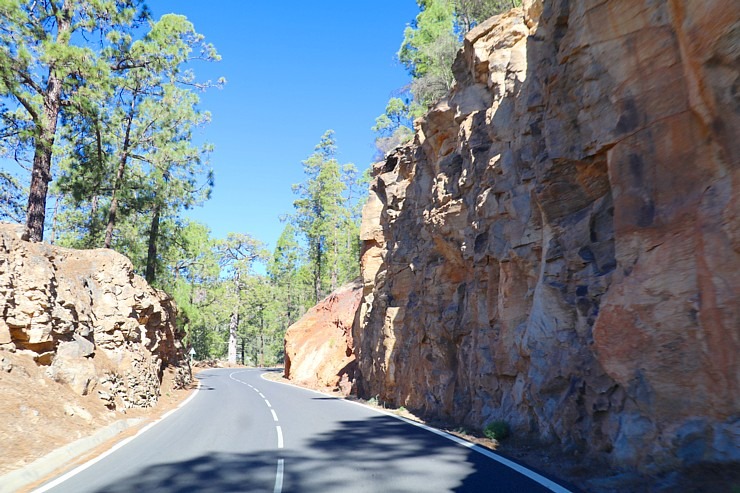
{"x":244,"y":433}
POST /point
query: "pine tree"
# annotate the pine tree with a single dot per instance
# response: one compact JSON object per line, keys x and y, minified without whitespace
{"x":46,"y":65}
{"x":285,"y":275}
{"x":237,"y":254}
{"x":324,"y":217}
{"x":193,"y":282}
{"x":132,"y":160}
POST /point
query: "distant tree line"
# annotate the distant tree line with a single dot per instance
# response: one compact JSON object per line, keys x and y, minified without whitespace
{"x":233,"y":310}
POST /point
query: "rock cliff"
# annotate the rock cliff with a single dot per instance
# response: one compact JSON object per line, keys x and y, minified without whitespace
{"x":559,"y":247}
{"x":97,"y":326}
{"x":319,"y":351}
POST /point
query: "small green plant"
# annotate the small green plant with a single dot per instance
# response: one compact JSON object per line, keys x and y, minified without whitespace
{"x":497,"y":430}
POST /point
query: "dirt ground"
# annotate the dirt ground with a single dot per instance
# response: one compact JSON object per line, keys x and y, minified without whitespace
{"x":40,"y":415}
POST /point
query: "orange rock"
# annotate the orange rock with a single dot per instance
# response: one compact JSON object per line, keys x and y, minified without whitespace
{"x":319,"y":352}
{"x":559,"y":247}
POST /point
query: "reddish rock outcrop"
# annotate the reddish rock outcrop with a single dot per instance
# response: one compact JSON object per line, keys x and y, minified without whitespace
{"x":560,"y":245}
{"x":319,"y":348}
{"x":84,"y":313}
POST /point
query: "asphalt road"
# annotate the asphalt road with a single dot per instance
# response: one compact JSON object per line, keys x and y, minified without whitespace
{"x":243,"y":433}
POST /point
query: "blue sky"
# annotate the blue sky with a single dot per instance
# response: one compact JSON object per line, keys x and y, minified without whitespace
{"x":294,"y":70}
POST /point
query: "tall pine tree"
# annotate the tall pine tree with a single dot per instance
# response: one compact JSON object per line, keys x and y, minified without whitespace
{"x":323,"y":215}
{"x":47,"y":64}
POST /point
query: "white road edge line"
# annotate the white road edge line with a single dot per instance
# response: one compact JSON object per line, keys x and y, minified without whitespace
{"x":117,"y":446}
{"x":547,"y":483}
{"x":279,"y":476}
{"x":231,"y":376}
{"x":280,"y":436}
{"x":274,"y":416}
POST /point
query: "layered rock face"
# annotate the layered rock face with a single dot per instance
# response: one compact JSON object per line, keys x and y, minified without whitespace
{"x":319,"y":350}
{"x":559,"y":247}
{"x":84,"y":313}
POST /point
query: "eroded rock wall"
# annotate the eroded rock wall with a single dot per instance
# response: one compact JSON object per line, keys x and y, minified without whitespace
{"x":84,"y":313}
{"x":559,"y":247}
{"x":319,"y":350}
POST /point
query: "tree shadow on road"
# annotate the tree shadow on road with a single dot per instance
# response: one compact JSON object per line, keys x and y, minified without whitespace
{"x":379,"y":454}
{"x":217,"y":472}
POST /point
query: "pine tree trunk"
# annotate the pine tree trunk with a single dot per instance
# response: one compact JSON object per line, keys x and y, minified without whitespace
{"x":262,"y":339}
{"x":44,"y":143}
{"x":289,"y":304}
{"x":119,"y":179}
{"x":234,"y":323}
{"x":41,"y":172}
{"x":94,"y":224}
{"x":114,"y":203}
{"x":335,"y":266}
{"x":233,"y":326}
{"x":317,"y":275}
{"x":151,"y":258}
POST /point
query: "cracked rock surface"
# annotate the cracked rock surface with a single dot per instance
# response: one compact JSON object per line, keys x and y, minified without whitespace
{"x":84,"y":315}
{"x":559,"y":247}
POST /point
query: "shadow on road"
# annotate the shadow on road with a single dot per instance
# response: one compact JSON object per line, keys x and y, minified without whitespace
{"x":212,"y":473}
{"x":379,"y":454}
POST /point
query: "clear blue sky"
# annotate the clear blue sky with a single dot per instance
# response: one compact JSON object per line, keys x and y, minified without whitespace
{"x":294,"y":70}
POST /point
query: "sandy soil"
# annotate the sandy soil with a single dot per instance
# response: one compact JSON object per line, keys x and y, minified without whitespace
{"x":40,"y":415}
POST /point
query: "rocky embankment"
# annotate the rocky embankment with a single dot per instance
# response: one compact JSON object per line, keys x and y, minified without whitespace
{"x":85,"y":316}
{"x":559,"y":247}
{"x":319,"y":351}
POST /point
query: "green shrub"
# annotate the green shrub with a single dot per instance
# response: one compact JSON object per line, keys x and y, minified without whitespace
{"x":497,"y":430}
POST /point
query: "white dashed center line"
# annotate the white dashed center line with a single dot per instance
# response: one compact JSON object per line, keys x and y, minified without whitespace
{"x":281,"y":462}
{"x":280,"y":436}
{"x":279,"y":476}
